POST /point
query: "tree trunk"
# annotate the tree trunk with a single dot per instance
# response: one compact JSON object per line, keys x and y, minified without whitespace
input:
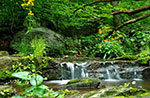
{"x":116,"y":18}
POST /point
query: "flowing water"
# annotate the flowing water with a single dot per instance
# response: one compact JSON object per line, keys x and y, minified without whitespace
{"x":107,"y":73}
{"x":110,"y":74}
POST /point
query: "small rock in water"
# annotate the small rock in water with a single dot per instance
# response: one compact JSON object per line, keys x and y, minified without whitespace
{"x":82,"y":83}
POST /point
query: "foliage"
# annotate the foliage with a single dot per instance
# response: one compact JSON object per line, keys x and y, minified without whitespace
{"x":58,"y":15}
{"x":36,"y":47}
{"x":37,"y":89}
{"x":95,"y":45}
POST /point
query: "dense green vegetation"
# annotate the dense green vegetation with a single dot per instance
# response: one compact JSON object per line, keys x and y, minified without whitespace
{"x":85,"y":29}
{"x":102,"y":28}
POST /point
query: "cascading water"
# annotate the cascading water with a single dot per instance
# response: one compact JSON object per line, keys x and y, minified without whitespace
{"x":106,"y":72}
{"x":71,"y":67}
{"x":74,"y":70}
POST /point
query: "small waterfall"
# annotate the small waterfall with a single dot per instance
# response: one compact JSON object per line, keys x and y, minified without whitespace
{"x":136,"y":75}
{"x":117,"y":74}
{"x":77,"y":70}
{"x":109,"y":72}
{"x":112,"y":73}
{"x":71,"y":67}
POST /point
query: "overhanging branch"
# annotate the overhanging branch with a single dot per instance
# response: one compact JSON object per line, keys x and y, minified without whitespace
{"x":144,"y":8}
{"x":126,"y":23}
{"x":94,"y":2}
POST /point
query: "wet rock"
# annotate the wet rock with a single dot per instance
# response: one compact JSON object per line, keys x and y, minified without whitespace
{"x":6,"y":91}
{"x":82,"y":83}
{"x":52,"y":72}
{"x":115,"y":92}
{"x":7,"y":61}
{"x":4,"y":53}
{"x":146,"y":73}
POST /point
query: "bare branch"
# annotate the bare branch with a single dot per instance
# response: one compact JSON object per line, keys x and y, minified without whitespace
{"x":144,"y":8}
{"x":94,"y":2}
{"x":126,"y":23}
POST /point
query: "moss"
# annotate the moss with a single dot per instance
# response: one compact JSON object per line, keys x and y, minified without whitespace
{"x":81,"y":80}
{"x":118,"y":92}
{"x":4,"y":53}
{"x":144,"y":60}
{"x":8,"y":65}
{"x":127,"y":57}
{"x":82,"y":83}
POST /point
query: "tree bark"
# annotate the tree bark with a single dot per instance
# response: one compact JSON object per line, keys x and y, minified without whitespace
{"x":94,"y":2}
{"x":126,"y":23}
{"x":116,"y":18}
{"x":144,"y":8}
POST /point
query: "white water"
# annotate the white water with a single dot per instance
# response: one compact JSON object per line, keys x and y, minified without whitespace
{"x":58,"y":82}
{"x":108,"y":73}
{"x":71,"y":66}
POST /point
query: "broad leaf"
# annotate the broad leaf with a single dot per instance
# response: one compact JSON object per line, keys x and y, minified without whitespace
{"x":22,"y":75}
{"x":17,"y":97}
{"x":29,"y":89}
{"x":38,"y":91}
{"x":36,"y":79}
{"x":43,"y":86}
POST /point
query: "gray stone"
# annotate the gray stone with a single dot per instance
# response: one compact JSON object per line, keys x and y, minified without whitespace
{"x":54,"y":41}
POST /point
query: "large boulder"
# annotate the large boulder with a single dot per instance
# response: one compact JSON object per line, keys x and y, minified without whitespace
{"x":82,"y":83}
{"x":54,"y":41}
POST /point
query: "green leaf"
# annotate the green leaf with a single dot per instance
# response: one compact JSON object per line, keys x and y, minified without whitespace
{"x":22,"y":75}
{"x":61,"y":96}
{"x":36,"y":79}
{"x":38,"y":91}
{"x":43,"y":86}
{"x":17,"y":97}
{"x":55,"y":94}
{"x":29,"y":89}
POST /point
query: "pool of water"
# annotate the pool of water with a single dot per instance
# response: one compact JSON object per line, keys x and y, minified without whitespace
{"x":145,"y":84}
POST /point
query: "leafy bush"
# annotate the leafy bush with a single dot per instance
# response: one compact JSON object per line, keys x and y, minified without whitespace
{"x":94,"y":45}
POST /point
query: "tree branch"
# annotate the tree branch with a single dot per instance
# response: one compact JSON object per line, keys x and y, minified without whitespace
{"x":96,"y":1}
{"x":144,"y":8}
{"x":126,"y":23}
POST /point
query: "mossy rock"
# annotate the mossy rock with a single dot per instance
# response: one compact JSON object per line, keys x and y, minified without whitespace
{"x":9,"y":64}
{"x":6,"y":65}
{"x":6,"y":91}
{"x":116,"y":92}
{"x":86,"y":80}
{"x":54,"y":41}
{"x":4,"y":53}
{"x":83,"y":83}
